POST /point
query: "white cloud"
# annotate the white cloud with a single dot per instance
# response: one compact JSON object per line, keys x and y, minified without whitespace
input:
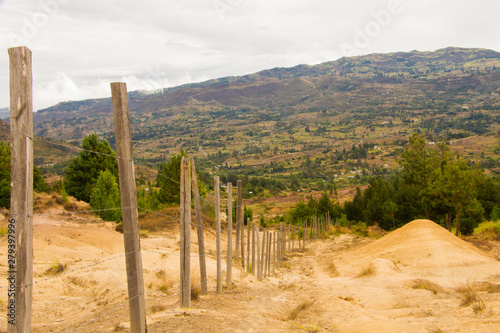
{"x":81,"y":46}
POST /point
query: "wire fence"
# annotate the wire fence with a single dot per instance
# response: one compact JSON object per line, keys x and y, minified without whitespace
{"x":207,"y":208}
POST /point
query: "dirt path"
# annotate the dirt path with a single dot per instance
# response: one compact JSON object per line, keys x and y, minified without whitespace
{"x":318,"y":290}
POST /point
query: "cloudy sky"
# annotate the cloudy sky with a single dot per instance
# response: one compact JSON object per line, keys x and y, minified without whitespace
{"x":80,"y":46}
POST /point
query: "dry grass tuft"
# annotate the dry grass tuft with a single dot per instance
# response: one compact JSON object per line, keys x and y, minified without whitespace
{"x":478,"y":306}
{"x":195,"y":289}
{"x":470,"y":297}
{"x":427,"y":285}
{"x":165,"y":283}
{"x":70,"y":206}
{"x":56,"y":268}
{"x":80,"y":282}
{"x":158,"y":308}
{"x":332,"y":269}
{"x":118,"y":328}
{"x":303,"y":306}
{"x":488,"y":287}
{"x":366,"y":272}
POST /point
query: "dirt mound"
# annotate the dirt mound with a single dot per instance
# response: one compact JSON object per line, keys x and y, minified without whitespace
{"x":421,"y":244}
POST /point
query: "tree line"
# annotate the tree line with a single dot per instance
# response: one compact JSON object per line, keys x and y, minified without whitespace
{"x":434,"y":183}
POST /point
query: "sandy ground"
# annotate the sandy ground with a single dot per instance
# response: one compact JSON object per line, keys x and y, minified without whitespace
{"x":324,"y":282}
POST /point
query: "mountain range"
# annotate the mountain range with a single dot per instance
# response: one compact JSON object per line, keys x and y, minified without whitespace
{"x":349,"y":116}
{"x":457,"y":76}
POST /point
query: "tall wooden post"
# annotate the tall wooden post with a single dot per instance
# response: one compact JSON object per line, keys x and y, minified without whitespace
{"x":289,"y":238}
{"x":298,"y":236}
{"x":254,"y":268}
{"x":199,"y":229}
{"x":269,"y":245}
{"x":128,"y":195}
{"x":20,"y":242}
{"x":279,"y":247}
{"x":275,"y":246}
{"x":218,"y":230}
{"x":229,"y":233}
{"x":305,"y":232}
{"x":257,"y":266}
{"x":240,"y":222}
{"x":185,"y":234}
{"x":248,"y":245}
{"x":262,"y":256}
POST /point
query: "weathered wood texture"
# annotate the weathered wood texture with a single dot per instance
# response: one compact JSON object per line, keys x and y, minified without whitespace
{"x":21,"y":198}
{"x":199,"y":229}
{"x":229,"y":269}
{"x":185,"y":234}
{"x":218,"y":232}
{"x":239,"y":221}
{"x":128,"y":196}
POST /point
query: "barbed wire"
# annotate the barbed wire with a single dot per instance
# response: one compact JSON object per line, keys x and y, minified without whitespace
{"x":74,"y":150}
{"x":104,"y":261}
{"x":70,"y":271}
{"x":66,"y":145}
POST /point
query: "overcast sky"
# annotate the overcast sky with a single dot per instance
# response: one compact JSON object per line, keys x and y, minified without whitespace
{"x":80,"y":46}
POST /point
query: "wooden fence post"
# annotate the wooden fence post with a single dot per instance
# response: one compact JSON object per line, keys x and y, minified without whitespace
{"x":279,"y":241}
{"x":128,"y":194}
{"x":20,"y":243}
{"x":185,"y":234}
{"x":275,"y":246}
{"x":229,"y":270}
{"x":283,"y":231}
{"x":254,"y":268}
{"x":305,"y":233}
{"x":289,"y":238}
{"x":262,"y":255}
{"x":239,"y":222}
{"x":248,"y":245}
{"x":199,"y":228}
{"x":217,"y":225}
{"x":257,"y":265}
{"x":269,"y":247}
{"x":298,"y":236}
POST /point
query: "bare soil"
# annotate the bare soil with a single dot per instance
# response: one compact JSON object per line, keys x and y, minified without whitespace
{"x":411,"y":280}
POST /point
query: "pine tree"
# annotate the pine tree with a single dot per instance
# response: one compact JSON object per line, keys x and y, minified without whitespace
{"x":168,"y":179}
{"x":106,"y":197}
{"x":457,"y":186}
{"x":83,"y":171}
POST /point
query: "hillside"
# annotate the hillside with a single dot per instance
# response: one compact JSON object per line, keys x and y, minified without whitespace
{"x":397,"y":77}
{"x":47,"y":152}
{"x":348,"y":117}
{"x":4,"y":113}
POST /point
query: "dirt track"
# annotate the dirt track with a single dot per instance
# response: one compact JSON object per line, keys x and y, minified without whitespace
{"x":334,"y":299}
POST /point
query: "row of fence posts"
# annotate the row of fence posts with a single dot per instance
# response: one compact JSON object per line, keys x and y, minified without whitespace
{"x":262,"y":257}
{"x":265,"y":249}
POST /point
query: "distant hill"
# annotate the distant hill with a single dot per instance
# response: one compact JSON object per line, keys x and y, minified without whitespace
{"x":4,"y":113}
{"x":339,"y":122}
{"x":4,"y":131}
{"x":46,"y":151}
{"x":453,"y":75}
